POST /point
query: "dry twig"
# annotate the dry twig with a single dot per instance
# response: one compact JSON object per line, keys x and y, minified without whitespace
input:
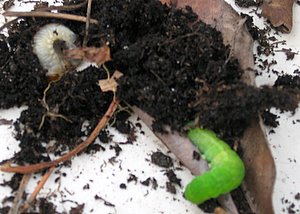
{"x":49,"y":15}
{"x":87,"y":24}
{"x":33,"y":195}
{"x":17,"y":201}
{"x":64,"y":7}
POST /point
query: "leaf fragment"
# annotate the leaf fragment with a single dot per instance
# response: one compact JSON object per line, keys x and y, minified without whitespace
{"x":110,"y":84}
{"x":92,"y":54}
{"x":279,"y":13}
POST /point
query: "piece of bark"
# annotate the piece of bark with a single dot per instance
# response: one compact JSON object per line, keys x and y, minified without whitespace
{"x":260,"y":167}
{"x":279,"y":13}
{"x":92,"y":54}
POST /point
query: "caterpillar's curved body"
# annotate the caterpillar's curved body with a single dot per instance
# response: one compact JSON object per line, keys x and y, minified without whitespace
{"x":226,"y":168}
{"x":49,"y":43}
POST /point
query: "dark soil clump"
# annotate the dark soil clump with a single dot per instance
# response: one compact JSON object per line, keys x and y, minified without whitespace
{"x":227,"y":110}
{"x":173,"y":177}
{"x":242,"y":205}
{"x":209,"y":206}
{"x":77,"y":98}
{"x":46,"y":207}
{"x":288,"y":81}
{"x":270,"y":119}
{"x":248,"y":3}
{"x":14,"y":182}
{"x":162,"y":160}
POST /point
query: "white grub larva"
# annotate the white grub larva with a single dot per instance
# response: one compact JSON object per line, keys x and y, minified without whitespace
{"x":49,"y":43}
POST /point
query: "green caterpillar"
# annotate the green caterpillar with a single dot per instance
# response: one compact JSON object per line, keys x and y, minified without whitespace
{"x":226,"y":168}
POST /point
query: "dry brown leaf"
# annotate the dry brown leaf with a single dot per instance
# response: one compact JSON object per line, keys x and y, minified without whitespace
{"x":92,"y":54}
{"x":279,"y":13}
{"x":260,"y":167}
{"x":111,"y":83}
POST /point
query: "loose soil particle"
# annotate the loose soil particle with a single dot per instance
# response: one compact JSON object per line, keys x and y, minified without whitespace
{"x":270,"y":119}
{"x":46,"y":207}
{"x":173,"y":178}
{"x":14,"y":182}
{"x":146,"y":182}
{"x":288,"y":81}
{"x":297,"y":196}
{"x":209,"y":206}
{"x":106,"y":203}
{"x":248,"y":3}
{"x":131,"y":178}
{"x":149,"y":180}
{"x":5,"y":209}
{"x":162,"y":160}
{"x":77,"y":210}
{"x":123,"y":186}
{"x":170,"y":187}
{"x":242,"y":205}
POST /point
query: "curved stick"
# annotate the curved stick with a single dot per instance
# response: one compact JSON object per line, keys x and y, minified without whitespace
{"x":37,"y":167}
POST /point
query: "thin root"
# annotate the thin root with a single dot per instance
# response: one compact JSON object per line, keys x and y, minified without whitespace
{"x":46,"y":106}
{"x":38,"y":188}
{"x":87,"y":24}
{"x":18,"y":199}
{"x":107,"y":71}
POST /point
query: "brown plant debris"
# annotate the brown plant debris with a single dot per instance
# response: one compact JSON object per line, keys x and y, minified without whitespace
{"x":111,"y":83}
{"x":279,"y":13}
{"x":92,"y":54}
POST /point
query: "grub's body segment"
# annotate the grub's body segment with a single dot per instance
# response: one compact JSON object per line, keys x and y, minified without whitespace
{"x":226,"y":168}
{"x":49,"y":43}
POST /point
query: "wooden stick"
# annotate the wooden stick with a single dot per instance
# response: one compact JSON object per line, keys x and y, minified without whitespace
{"x":49,"y":15}
{"x":17,"y":201}
{"x":87,"y":24}
{"x":38,"y":188}
{"x":64,"y":7}
{"x":37,"y":167}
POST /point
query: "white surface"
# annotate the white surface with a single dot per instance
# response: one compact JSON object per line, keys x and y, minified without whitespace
{"x":85,"y":169}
